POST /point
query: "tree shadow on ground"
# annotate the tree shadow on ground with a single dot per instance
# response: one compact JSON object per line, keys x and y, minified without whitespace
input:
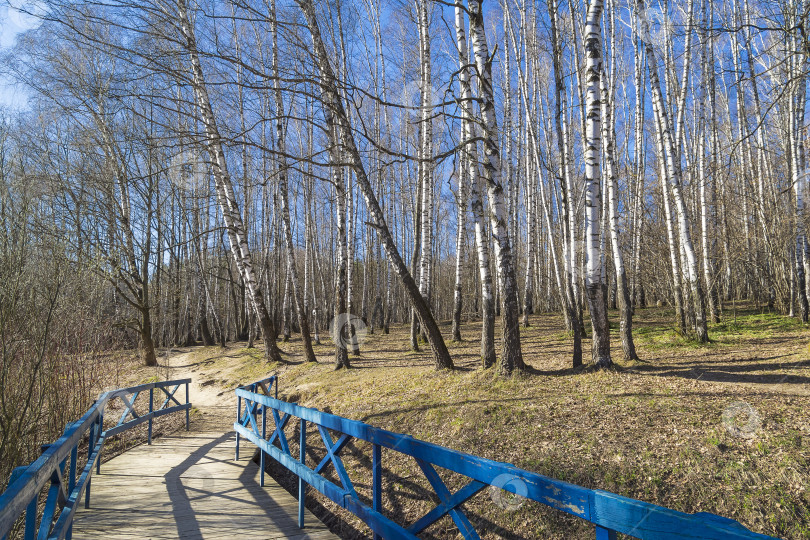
{"x":751,"y":371}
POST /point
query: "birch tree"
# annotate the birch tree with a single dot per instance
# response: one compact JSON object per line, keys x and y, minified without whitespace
{"x":607,"y":90}
{"x":593,"y":196}
{"x":673,"y":175}
{"x":565,"y":181}
{"x":469,"y":159}
{"x":281,"y":147}
{"x":342,"y":137}
{"x":226,"y":198}
{"x":511,"y":356}
{"x":426,"y":149}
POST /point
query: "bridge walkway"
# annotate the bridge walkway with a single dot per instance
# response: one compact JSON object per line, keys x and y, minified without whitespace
{"x":189,"y":486}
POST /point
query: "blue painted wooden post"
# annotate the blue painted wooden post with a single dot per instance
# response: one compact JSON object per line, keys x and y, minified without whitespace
{"x":264,"y":436}
{"x":376,"y":482}
{"x":302,"y":443}
{"x":31,"y":509}
{"x":238,"y":420}
{"x":31,"y":519}
{"x":187,"y":408}
{"x":605,"y":534}
{"x":90,"y":445}
{"x":98,"y":458}
{"x":151,"y":409}
{"x":74,"y":457}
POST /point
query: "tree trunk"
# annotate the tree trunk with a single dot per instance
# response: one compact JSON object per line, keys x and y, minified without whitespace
{"x":337,"y":119}
{"x":225,"y":195}
{"x":340,"y":314}
{"x":622,"y":292}
{"x":469,"y":158}
{"x":571,"y":306}
{"x":674,"y":177}
{"x":461,"y":232}
{"x":593,"y":197}
{"x":512,"y":356}
{"x":415,"y":258}
{"x":147,"y":342}
{"x":425,"y":165}
{"x":281,"y":145}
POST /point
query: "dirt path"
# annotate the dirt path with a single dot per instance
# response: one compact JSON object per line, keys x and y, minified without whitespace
{"x":216,"y":405}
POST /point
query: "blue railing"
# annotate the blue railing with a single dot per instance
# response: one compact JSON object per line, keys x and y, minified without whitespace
{"x":55,"y":519}
{"x":244,"y":417}
{"x":610,"y":513}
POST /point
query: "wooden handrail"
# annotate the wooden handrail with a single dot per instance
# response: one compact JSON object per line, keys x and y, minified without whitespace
{"x":610,"y":513}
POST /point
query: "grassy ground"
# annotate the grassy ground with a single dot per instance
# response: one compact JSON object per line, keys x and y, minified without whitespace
{"x":720,"y":428}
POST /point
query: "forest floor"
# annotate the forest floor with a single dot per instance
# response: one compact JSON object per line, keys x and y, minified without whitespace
{"x":721,"y":428}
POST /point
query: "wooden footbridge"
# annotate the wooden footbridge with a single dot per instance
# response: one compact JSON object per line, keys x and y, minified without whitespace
{"x":188,"y":485}
{"x":194,"y":489}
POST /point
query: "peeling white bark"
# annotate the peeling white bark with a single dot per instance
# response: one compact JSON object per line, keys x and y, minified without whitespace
{"x":593,"y":196}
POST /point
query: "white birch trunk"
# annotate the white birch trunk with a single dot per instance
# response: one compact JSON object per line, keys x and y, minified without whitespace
{"x":639,"y":166}
{"x":610,"y":180}
{"x":225,"y":195}
{"x":511,"y":357}
{"x":674,"y":178}
{"x":566,"y":190}
{"x":340,"y":284}
{"x":469,"y":158}
{"x":708,"y":269}
{"x":426,"y":135}
{"x":593,"y":196}
{"x":336,"y":117}
{"x":281,"y":147}
{"x":796,"y":115}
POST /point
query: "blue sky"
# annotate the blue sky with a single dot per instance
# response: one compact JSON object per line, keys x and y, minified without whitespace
{"x":14,"y":19}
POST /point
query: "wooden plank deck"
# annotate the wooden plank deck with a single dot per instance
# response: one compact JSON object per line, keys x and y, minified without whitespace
{"x":188,"y":486}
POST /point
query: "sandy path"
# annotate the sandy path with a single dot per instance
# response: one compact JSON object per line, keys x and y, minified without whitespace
{"x":217,"y":405}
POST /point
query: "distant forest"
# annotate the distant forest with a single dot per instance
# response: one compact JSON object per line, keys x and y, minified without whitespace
{"x":217,"y":171}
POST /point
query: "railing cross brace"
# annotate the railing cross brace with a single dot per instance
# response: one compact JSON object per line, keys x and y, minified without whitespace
{"x":130,"y":405}
{"x":280,"y":423}
{"x":169,"y":396}
{"x":55,"y":500}
{"x":251,"y":409}
{"x":332,"y":451}
{"x":448,"y":503}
